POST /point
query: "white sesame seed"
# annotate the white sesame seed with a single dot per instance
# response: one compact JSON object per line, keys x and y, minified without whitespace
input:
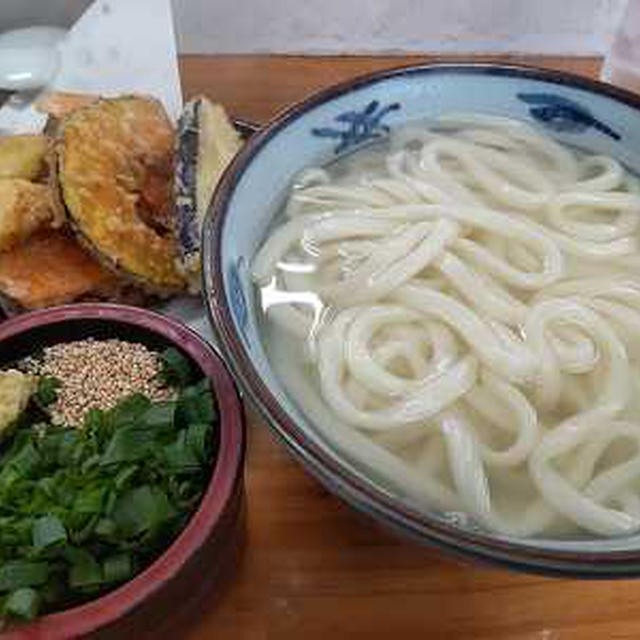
{"x":96,"y":374}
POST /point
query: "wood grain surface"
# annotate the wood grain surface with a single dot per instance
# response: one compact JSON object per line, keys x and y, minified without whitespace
{"x":314,"y":569}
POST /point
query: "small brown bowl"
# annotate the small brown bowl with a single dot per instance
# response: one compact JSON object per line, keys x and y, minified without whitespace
{"x":198,"y":558}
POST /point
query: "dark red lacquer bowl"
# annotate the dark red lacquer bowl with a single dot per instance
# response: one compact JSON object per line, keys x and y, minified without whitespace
{"x":150,"y":603}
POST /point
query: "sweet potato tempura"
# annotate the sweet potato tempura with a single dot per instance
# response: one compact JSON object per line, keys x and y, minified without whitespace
{"x":49,"y":268}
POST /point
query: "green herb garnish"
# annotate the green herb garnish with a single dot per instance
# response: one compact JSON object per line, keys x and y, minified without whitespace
{"x":47,"y":391}
{"x":22,"y":603}
{"x":176,"y":370}
{"x":83,"y":510}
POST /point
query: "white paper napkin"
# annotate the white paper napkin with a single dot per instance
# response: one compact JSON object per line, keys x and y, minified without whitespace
{"x":116,"y":47}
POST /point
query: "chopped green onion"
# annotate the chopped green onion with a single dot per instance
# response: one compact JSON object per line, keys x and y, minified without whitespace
{"x":176,"y":369}
{"x":82,"y":510}
{"x":117,"y":568}
{"x":22,"y":603}
{"x":15,"y":574}
{"x":84,"y":570}
{"x":48,"y":531}
{"x":47,"y":391}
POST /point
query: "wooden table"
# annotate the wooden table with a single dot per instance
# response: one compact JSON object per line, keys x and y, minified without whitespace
{"x":312,"y":567}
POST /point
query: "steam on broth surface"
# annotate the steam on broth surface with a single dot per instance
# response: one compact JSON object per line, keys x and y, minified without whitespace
{"x":459,"y":309}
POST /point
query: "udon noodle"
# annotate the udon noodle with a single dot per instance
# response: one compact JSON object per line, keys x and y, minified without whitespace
{"x":460,"y":309}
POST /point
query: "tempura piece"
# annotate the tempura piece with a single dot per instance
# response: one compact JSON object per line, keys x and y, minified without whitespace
{"x":62,"y":103}
{"x":207,"y":142}
{"x":47,"y":269}
{"x":23,"y":156}
{"x":25,"y":207}
{"x":115,"y":162}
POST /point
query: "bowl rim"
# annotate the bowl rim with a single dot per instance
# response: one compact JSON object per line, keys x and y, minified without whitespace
{"x":555,"y":562}
{"x":107,"y":609}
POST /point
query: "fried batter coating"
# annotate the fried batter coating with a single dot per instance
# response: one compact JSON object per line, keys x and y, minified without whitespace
{"x":115,"y":160}
{"x":23,"y":156}
{"x":61,"y":103}
{"x":50,"y":268}
{"x":25,"y":207}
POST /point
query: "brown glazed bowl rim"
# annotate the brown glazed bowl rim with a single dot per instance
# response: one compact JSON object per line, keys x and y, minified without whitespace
{"x":106,"y":610}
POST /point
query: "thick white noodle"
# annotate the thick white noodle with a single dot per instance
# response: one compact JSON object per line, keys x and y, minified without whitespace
{"x":419,"y":403}
{"x":465,"y":315}
{"x":397,"y":260}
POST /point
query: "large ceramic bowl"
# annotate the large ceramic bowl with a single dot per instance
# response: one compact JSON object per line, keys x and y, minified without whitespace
{"x":574,"y":110}
{"x":168,"y":591}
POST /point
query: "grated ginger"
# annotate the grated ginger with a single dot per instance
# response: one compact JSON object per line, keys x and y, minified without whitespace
{"x":15,"y":390}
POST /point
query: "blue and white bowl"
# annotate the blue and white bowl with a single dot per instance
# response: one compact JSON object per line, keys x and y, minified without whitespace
{"x":594,"y":116}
